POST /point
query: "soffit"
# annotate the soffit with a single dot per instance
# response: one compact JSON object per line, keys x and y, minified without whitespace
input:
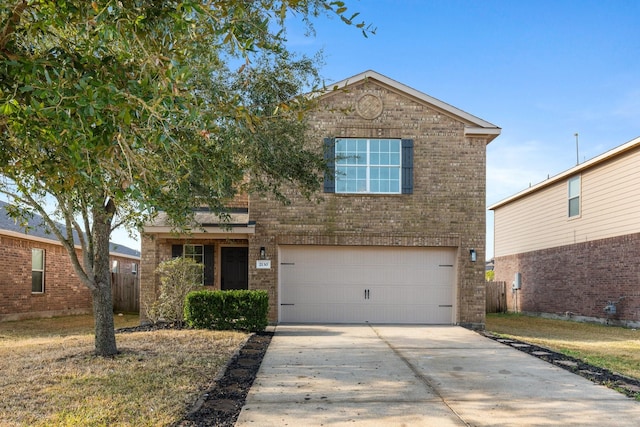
{"x":209,"y":223}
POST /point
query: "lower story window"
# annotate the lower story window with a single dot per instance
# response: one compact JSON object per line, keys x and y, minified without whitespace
{"x":37,"y":271}
{"x":196,"y":253}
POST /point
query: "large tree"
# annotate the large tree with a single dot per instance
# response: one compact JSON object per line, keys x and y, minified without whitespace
{"x":113,"y":110}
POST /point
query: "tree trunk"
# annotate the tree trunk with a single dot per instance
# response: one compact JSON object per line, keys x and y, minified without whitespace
{"x":101,"y":293}
{"x":103,"y":317}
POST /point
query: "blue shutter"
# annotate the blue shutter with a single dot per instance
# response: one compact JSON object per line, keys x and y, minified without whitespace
{"x":208,"y":265}
{"x":330,"y":161}
{"x":407,"y":166}
{"x":176,"y":251}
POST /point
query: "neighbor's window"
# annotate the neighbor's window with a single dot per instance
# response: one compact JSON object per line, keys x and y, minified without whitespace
{"x":37,"y":270}
{"x":115,"y":267}
{"x":574,"y":196}
{"x":368,"y":165}
{"x":134,"y":268}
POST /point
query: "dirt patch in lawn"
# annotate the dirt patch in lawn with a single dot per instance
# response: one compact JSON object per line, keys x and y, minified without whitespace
{"x":626,"y":385}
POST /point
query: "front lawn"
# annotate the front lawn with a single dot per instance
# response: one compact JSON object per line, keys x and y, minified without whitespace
{"x":614,"y":348}
{"x":49,"y":376}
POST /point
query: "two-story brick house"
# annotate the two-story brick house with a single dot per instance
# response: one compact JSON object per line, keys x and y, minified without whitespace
{"x":574,"y":241}
{"x":398,"y":237}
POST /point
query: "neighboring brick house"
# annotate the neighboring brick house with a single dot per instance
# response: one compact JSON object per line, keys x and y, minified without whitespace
{"x":36,"y":275}
{"x":575,"y":240}
{"x":398,"y":237}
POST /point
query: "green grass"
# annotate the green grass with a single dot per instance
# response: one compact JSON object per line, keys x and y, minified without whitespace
{"x":614,"y":348}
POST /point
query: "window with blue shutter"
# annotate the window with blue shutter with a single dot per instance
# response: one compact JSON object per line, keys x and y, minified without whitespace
{"x":329,"y":174}
{"x":407,"y":166}
{"x":369,"y":166}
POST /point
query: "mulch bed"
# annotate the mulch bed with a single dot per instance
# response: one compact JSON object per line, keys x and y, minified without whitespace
{"x":628,"y":386}
{"x":221,"y":404}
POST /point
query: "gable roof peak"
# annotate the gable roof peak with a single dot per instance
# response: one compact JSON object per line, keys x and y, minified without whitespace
{"x":474,"y":125}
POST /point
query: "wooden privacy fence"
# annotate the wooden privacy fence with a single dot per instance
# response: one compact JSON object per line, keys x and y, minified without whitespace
{"x":126,"y":292}
{"x":496,"y":295}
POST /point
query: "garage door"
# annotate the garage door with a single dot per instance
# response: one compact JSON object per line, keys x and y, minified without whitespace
{"x":347,"y":284}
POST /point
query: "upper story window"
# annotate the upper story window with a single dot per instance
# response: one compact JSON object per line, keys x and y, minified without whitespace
{"x":369,"y":166}
{"x":37,"y":271}
{"x":574,"y":196}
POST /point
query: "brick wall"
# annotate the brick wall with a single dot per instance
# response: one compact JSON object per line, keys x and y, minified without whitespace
{"x":64,"y":294}
{"x":447,"y":207}
{"x":577,"y":280}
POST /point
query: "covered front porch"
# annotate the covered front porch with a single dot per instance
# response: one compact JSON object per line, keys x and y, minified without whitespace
{"x":221,"y":246}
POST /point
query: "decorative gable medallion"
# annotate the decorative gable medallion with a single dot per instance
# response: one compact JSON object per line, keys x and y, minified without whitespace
{"x":369,"y":106}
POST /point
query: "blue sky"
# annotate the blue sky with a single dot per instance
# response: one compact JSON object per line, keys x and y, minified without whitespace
{"x":540,"y":70}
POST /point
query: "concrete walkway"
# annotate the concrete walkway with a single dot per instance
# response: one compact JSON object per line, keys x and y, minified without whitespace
{"x":359,"y":375}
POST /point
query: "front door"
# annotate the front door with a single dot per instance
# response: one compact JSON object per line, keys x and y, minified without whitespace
{"x":235,"y":268}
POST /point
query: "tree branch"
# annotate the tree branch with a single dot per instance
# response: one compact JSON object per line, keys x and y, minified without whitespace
{"x":10,"y":26}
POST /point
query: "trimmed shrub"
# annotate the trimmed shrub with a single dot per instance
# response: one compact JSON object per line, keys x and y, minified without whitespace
{"x":224,"y":310}
{"x":178,"y":277}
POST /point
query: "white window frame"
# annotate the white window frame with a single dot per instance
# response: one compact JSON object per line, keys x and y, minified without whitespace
{"x":134,"y":268}
{"x":574,"y":183}
{"x":197,"y":257}
{"x":38,"y":269}
{"x":115,"y":266}
{"x":342,"y":161}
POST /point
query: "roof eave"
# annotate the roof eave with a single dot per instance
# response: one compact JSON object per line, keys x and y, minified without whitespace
{"x":18,"y":235}
{"x":489,"y":133}
{"x":608,"y":155}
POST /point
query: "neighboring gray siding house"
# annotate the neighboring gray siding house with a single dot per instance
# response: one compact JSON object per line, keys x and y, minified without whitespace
{"x":398,"y":238}
{"x":575,"y":240}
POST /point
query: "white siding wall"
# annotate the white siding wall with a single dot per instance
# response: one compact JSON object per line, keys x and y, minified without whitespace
{"x":610,"y":206}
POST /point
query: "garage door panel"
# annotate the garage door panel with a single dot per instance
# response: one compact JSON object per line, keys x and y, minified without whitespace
{"x":324,"y":284}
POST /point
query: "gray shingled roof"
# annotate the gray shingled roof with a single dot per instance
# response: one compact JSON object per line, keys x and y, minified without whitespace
{"x":37,"y":229}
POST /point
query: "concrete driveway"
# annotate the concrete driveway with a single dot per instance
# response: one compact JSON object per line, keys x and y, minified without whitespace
{"x":360,"y":375}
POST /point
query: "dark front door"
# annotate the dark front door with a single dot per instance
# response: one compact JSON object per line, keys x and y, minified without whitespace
{"x":235,"y":268}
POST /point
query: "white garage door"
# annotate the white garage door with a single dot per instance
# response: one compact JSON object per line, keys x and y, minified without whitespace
{"x":348,"y":284}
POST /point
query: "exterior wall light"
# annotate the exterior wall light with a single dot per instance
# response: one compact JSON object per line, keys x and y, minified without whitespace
{"x":263,"y":253}
{"x":473,"y":255}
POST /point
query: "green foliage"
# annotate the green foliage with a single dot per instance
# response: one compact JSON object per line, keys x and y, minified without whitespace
{"x":224,"y":310}
{"x":489,"y":275}
{"x":178,"y":277}
{"x":111,"y":111}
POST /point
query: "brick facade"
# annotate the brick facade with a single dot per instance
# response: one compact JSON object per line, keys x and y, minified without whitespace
{"x":577,"y":281}
{"x":63,"y":294}
{"x":446,"y":208}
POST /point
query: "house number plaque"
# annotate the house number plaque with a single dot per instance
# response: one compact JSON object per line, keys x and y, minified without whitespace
{"x":263,"y":264}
